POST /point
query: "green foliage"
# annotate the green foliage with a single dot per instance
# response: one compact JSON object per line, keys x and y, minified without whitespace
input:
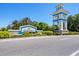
{"x":4,"y":34}
{"x":16,"y":24}
{"x":8,"y":27}
{"x":43,"y":33}
{"x":76,"y":22}
{"x":39,"y":33}
{"x":26,"y":34}
{"x":70,"y":24}
{"x":16,"y":36}
{"x":41,"y":26}
{"x":55,"y":27}
{"x":71,"y":33}
{"x":25,"y":21}
{"x":36,"y":34}
{"x":57,"y":33}
{"x":47,"y":33}
{"x":3,"y":29}
{"x":73,"y":23}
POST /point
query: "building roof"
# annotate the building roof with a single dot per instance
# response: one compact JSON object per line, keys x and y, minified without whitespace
{"x":28,"y":26}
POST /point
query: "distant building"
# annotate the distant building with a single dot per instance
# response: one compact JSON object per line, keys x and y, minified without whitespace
{"x":28,"y":28}
{"x":60,"y":17}
{"x":25,"y":28}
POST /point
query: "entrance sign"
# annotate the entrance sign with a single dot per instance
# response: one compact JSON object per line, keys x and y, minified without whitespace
{"x":22,"y":29}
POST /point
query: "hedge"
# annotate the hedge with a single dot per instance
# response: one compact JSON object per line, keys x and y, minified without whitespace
{"x":36,"y":34}
{"x":47,"y":32}
{"x":26,"y":34}
{"x":71,"y":33}
{"x":4,"y":34}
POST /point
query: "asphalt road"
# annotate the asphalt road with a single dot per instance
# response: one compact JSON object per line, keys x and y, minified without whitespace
{"x":41,"y":46}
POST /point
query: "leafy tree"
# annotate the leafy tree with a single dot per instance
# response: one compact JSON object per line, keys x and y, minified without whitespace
{"x":70,"y":24}
{"x":41,"y":25}
{"x":76,"y":22}
{"x":8,"y":27}
{"x":25,"y":21}
{"x":15,"y":24}
{"x":55,"y":27}
{"x":36,"y":24}
{"x":3,"y":29}
{"x":73,"y":23}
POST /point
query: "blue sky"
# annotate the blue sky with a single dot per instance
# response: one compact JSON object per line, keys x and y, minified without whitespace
{"x":35,"y":11}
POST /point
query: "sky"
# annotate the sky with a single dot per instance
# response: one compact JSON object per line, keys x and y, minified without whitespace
{"x":35,"y":11}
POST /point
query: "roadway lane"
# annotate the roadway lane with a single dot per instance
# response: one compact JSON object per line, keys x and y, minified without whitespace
{"x":40,"y":46}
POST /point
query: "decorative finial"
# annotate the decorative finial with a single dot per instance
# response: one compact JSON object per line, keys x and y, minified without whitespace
{"x":59,"y":6}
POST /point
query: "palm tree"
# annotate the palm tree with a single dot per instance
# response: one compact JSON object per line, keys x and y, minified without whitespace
{"x":25,"y":21}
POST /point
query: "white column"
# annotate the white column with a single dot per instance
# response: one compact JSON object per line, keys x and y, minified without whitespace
{"x":61,"y":25}
{"x":54,"y":17}
{"x":65,"y":22}
{"x":59,"y":16}
{"x":66,"y":25}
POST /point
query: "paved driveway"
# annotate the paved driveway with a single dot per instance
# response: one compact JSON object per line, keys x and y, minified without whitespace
{"x":41,"y":46}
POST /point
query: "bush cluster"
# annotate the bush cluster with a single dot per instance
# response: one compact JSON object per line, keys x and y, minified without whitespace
{"x":36,"y":34}
{"x":56,"y":33}
{"x":4,"y":34}
{"x":16,"y":36}
{"x":26,"y":34}
{"x":47,"y":32}
{"x":71,"y":33}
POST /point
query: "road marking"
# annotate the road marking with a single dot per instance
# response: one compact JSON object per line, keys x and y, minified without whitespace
{"x":75,"y":53}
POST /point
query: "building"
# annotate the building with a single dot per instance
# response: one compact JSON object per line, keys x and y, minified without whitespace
{"x":60,"y":17}
{"x":28,"y":28}
{"x":25,"y":28}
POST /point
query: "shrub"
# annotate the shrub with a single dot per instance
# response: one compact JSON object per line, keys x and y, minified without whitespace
{"x":47,"y":33}
{"x":26,"y":34}
{"x":71,"y":33}
{"x":4,"y":34}
{"x":57,"y":33}
{"x":15,"y":36}
{"x":38,"y":34}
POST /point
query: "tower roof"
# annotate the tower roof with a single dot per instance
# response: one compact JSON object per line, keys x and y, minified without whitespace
{"x":59,"y":6}
{"x":59,"y":11}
